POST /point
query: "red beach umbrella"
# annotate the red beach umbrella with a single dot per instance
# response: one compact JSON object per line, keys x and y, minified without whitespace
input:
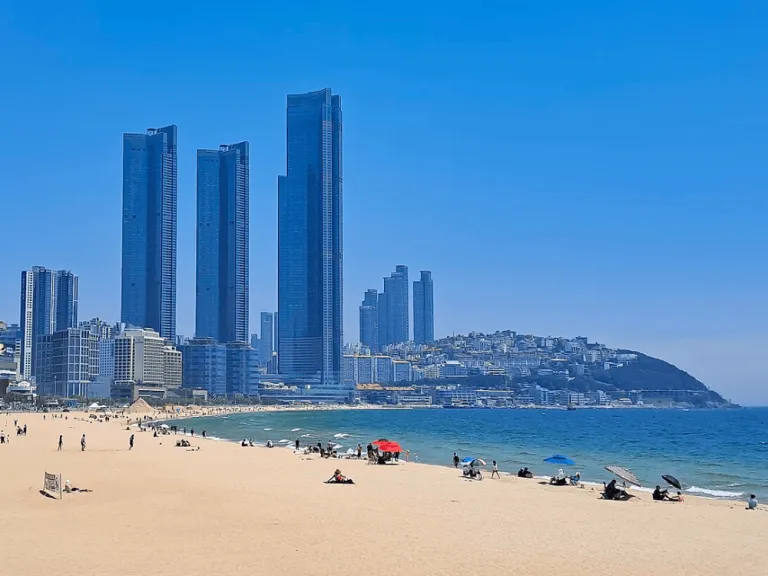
{"x":389,"y":446}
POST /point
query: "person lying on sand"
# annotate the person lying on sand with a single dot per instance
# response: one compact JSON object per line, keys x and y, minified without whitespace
{"x":339,"y":478}
{"x":68,"y":488}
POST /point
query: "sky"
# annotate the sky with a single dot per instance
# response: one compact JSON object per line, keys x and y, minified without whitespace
{"x":565,"y":169}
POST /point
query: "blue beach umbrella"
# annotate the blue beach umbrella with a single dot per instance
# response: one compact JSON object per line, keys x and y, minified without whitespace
{"x":468,"y":460}
{"x":560,"y":460}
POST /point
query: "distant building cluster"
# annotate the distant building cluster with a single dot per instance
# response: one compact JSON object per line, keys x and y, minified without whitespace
{"x":142,"y":355}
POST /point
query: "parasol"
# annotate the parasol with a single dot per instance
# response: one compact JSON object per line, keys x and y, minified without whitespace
{"x":672,"y":481}
{"x":624,"y":474}
{"x":388,"y":446}
{"x":559,"y":459}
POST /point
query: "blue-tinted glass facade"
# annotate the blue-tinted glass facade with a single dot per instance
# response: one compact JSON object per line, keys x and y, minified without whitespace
{"x":221,"y":286}
{"x":310,"y":241}
{"x":394,"y":327}
{"x":48,"y":304}
{"x":148,"y":296}
{"x":369,"y":320}
{"x":242,"y":369}
{"x":204,"y":365}
{"x":423,"y":309}
{"x":266,"y":344}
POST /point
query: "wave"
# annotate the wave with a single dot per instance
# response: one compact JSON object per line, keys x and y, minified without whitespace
{"x":306,"y":435}
{"x":267,"y":429}
{"x":714,"y":493}
{"x":295,"y":429}
{"x":340,"y":435}
{"x":283,"y":441}
{"x":337,"y":446}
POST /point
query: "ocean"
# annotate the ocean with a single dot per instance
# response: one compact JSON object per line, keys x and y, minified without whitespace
{"x":714,"y":453}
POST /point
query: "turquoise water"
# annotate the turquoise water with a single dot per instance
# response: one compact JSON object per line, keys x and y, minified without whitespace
{"x":716,"y":453}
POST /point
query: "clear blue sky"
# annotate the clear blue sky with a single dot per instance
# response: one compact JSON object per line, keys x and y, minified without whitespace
{"x":562,"y":168}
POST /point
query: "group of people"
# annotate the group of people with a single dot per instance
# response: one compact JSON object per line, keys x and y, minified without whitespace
{"x":661,"y":495}
{"x":562,"y":479}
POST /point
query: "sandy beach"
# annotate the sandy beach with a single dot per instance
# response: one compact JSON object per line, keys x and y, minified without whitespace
{"x":225,"y":509}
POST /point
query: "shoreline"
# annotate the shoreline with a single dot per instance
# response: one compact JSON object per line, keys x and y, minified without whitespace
{"x":216,"y":504}
{"x":692,"y":491}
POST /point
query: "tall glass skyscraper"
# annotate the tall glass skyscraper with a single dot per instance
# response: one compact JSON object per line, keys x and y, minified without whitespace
{"x":423,"y":309}
{"x":310,"y":255}
{"x":221,"y":287}
{"x":369,"y":320}
{"x":266,"y":344}
{"x":394,"y":307}
{"x":148,"y":297}
{"x":48,"y":305}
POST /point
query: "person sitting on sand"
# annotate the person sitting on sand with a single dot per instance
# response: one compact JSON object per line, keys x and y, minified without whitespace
{"x":339,"y":478}
{"x":269,"y":444}
{"x":660,"y":494}
{"x":611,"y":492}
{"x":524,"y":473}
{"x":678,"y":498}
{"x":752,"y":502}
{"x":575,"y":480}
{"x":244,"y":443}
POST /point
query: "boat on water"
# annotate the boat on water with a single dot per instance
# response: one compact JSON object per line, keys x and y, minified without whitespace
{"x":571,"y":407}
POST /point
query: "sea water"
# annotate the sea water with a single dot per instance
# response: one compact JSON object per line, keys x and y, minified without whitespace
{"x":714,"y":453}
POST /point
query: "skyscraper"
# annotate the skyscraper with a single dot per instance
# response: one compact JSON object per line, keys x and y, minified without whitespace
{"x":423,"y":309}
{"x":148,"y":296}
{"x":395,"y":308}
{"x":383,"y":315}
{"x":221,"y":287}
{"x":310,"y":256}
{"x":266,"y":344}
{"x":48,"y":305}
{"x":369,"y":321}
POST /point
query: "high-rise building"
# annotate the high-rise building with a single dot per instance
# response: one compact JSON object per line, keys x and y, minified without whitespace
{"x":423,"y":309}
{"x":48,"y":305}
{"x":242,"y":369}
{"x":67,"y":362}
{"x":369,"y":320}
{"x":148,"y":297}
{"x":310,"y":255}
{"x":266,"y":344}
{"x":383,"y":315}
{"x":204,"y":365}
{"x":221,"y":286}
{"x":139,"y":358}
{"x":393,"y":307}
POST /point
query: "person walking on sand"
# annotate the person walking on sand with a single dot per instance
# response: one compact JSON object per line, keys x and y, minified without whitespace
{"x":359,"y":451}
{"x":61,"y":442}
{"x":407,"y":455}
{"x":130,"y":443}
{"x":297,"y":443}
{"x":455,"y":460}
{"x":495,"y":470}
{"x":82,"y":443}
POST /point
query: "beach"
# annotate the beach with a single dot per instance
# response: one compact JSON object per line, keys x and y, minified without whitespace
{"x":226,"y":509}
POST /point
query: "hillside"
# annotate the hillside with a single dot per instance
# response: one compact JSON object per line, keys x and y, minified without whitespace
{"x":648,"y":373}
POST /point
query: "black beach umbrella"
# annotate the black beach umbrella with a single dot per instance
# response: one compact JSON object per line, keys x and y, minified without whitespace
{"x":672,"y":481}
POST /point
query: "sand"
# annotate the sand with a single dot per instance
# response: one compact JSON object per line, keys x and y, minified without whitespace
{"x":230,"y":510}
